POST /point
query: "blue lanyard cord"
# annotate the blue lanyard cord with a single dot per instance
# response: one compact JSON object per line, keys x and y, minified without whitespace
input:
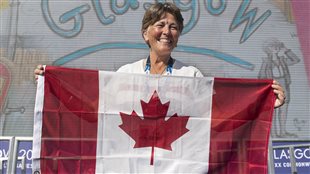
{"x":168,"y":69}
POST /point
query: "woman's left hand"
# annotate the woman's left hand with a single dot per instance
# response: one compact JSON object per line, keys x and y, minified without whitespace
{"x":279,"y":92}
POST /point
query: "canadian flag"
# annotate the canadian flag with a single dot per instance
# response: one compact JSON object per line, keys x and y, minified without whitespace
{"x":89,"y":121}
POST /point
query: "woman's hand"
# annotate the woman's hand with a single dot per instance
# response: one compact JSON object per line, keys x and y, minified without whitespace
{"x":38,"y":71}
{"x":279,"y":92}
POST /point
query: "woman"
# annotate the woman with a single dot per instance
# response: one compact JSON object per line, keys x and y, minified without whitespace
{"x":162,"y":25}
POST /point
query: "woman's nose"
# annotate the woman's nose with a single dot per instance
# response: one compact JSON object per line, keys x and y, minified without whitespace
{"x":166,"y":29}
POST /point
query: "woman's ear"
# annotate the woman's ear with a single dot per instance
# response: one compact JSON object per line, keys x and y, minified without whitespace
{"x":144,"y":35}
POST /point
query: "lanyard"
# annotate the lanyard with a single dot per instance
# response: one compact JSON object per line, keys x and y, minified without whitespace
{"x":168,"y":69}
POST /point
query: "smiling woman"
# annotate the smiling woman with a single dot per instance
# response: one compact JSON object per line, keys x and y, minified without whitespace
{"x":162,"y":25}
{"x":162,"y":37}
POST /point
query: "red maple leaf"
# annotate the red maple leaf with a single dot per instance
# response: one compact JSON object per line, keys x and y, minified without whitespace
{"x":154,"y":130}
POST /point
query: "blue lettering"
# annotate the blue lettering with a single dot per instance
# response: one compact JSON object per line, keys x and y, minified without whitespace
{"x":242,"y":16}
{"x":75,"y":14}
{"x":216,"y":10}
{"x":100,"y":15}
{"x":213,"y":7}
{"x":134,"y":4}
{"x":194,"y":6}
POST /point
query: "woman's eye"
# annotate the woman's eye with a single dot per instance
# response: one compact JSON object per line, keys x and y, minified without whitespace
{"x":174,"y":27}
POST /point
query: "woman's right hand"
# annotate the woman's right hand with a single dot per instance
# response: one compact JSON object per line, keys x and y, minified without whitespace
{"x":38,"y":71}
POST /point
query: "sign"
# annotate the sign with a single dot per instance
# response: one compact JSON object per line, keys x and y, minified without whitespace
{"x":22,"y":147}
{"x":24,"y":151}
{"x":282,"y":157}
{"x":4,"y":153}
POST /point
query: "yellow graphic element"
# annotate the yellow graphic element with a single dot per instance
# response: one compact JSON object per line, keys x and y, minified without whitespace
{"x":24,"y":63}
{"x":4,"y":4}
{"x":2,"y":81}
{"x":285,"y":7}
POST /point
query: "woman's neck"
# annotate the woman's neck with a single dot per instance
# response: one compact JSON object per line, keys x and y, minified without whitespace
{"x":158,"y":64}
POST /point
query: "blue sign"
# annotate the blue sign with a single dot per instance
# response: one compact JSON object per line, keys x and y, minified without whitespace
{"x":24,"y":149}
{"x":282,"y":162}
{"x":4,"y":153}
{"x":281,"y":157}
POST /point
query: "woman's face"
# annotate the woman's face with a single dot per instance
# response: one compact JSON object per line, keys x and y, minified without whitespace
{"x":163,"y":36}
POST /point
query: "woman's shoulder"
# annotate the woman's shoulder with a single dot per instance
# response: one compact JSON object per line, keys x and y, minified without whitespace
{"x":135,"y":67}
{"x":180,"y":69}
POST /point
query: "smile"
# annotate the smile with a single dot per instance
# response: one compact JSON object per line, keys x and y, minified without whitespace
{"x":163,"y":40}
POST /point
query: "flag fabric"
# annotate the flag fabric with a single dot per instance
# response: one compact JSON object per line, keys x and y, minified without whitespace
{"x":89,"y":121}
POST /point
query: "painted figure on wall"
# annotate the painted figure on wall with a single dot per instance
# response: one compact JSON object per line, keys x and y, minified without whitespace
{"x":276,"y":66}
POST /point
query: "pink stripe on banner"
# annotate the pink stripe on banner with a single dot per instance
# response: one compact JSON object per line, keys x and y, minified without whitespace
{"x":301,"y":13}
{"x":69,"y":130}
